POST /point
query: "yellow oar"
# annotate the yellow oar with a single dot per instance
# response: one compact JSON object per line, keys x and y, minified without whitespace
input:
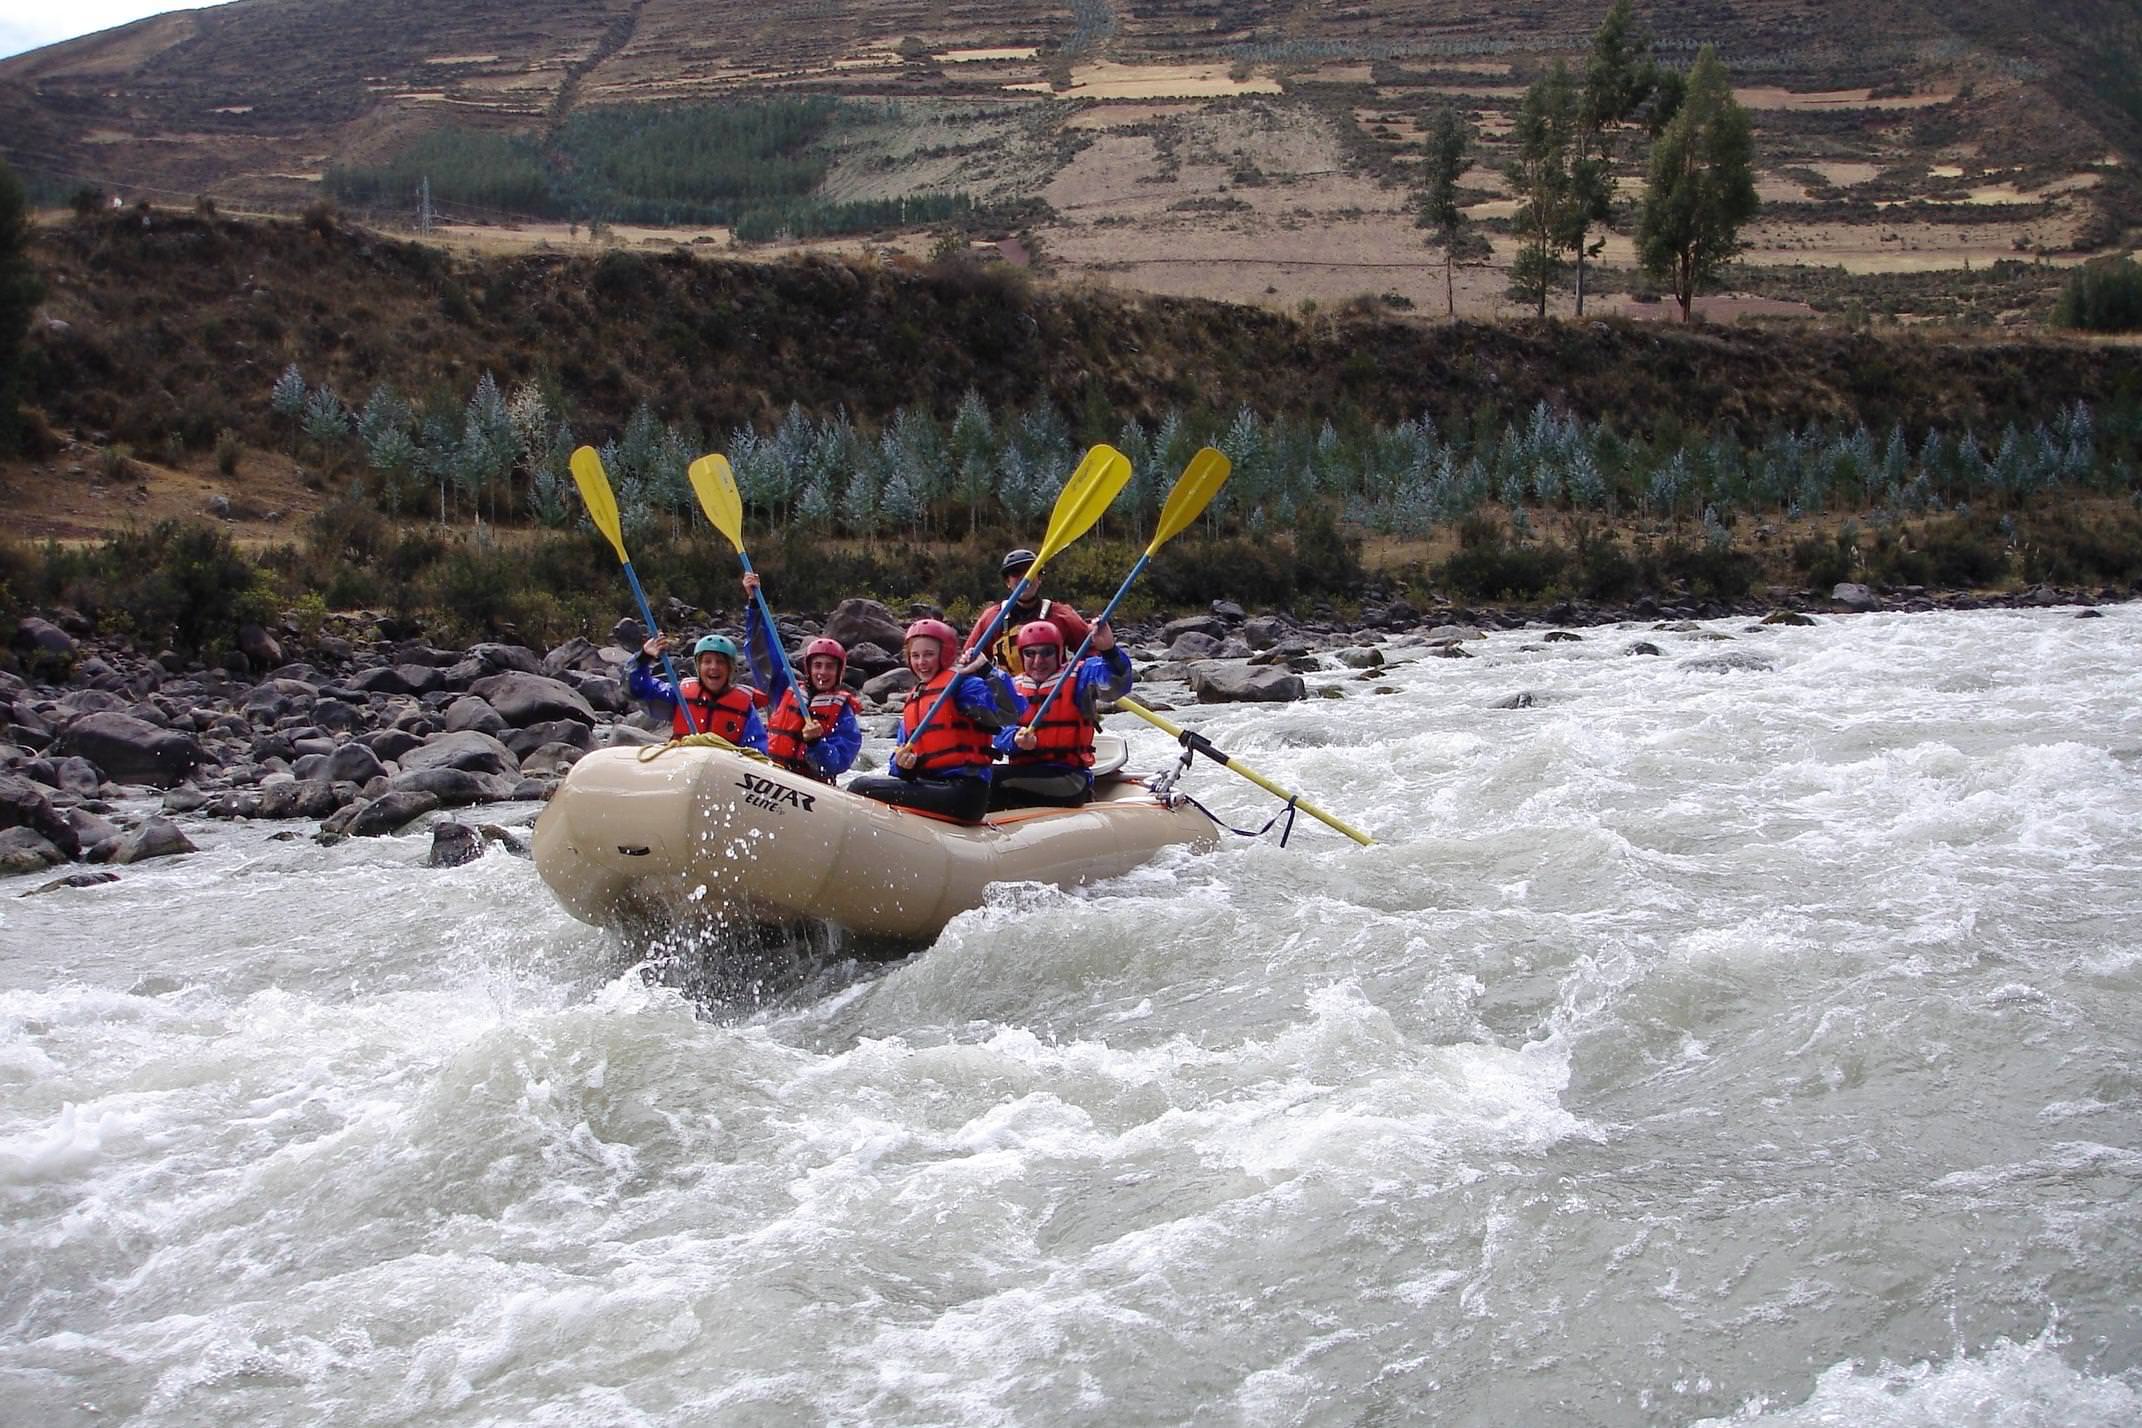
{"x":594,"y":484}
{"x":1100,"y":478}
{"x":1194,"y":489}
{"x":715,"y":483}
{"x":1190,"y":739}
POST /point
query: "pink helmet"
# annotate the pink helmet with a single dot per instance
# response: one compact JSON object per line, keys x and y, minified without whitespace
{"x":1039,"y":632}
{"x":947,"y":638}
{"x":823,"y":646}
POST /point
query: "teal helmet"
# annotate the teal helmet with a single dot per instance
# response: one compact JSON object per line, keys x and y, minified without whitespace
{"x":717,"y":644}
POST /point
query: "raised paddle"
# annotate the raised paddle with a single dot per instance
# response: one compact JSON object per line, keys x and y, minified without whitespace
{"x":1198,"y":743}
{"x":1194,"y":489}
{"x":715,"y":483}
{"x":594,"y":484}
{"x":1100,"y":478}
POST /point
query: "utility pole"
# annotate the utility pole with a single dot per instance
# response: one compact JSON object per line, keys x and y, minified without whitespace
{"x":423,"y":217}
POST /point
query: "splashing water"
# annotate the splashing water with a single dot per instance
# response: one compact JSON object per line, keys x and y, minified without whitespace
{"x":1742,"y":1037}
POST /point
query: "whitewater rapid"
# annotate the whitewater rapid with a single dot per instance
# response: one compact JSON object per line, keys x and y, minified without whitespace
{"x":1743,"y":1034}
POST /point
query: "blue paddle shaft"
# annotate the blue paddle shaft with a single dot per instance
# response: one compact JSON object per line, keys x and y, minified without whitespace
{"x":669,"y":669}
{"x":780,"y":651}
{"x":1086,"y":644}
{"x":1003,"y":610}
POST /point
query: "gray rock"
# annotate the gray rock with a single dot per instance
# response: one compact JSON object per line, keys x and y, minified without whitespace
{"x":1227,"y":610}
{"x":74,"y":880}
{"x":1210,"y":625}
{"x":1523,"y":699}
{"x":453,"y":788}
{"x":259,"y":647}
{"x":1454,"y":632}
{"x":1643,"y":647}
{"x":504,"y":838}
{"x":602,"y":692}
{"x":1361,"y":658}
{"x":870,"y":659}
{"x":1264,"y":631}
{"x":470,"y":750}
{"x":1285,"y":651}
{"x":627,"y":736}
{"x":855,"y":622}
{"x":469,"y":712}
{"x":1787,"y":617}
{"x":416,"y":679}
{"x":384,"y":814}
{"x":501,"y":659}
{"x":90,"y":829}
{"x":575,"y":653}
{"x":1853,"y":596}
{"x":524,"y":699}
{"x":157,"y":838}
{"x":185,"y":799}
{"x":338,"y":716}
{"x":303,"y":798}
{"x":1194,"y":644}
{"x":533,"y":790}
{"x":628,"y":632}
{"x":453,"y":844}
{"x":41,"y":636}
{"x":551,"y":759}
{"x":1231,"y":683}
{"x":79,"y":777}
{"x":130,"y":750}
{"x":392,"y":743}
{"x":1728,"y":662}
{"x":1450,"y":649}
{"x":893,"y":681}
{"x":93,"y":701}
{"x":354,"y":763}
{"x":25,"y":850}
{"x":1561,"y":637}
{"x":276,"y":699}
{"x":551,"y":731}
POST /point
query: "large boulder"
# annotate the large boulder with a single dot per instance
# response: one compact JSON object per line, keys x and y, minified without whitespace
{"x":1193,"y":644}
{"x":157,"y":838}
{"x":871,"y":659}
{"x":1230,"y":683}
{"x":601,"y":691}
{"x":1853,"y":596}
{"x":575,"y":653}
{"x":551,"y":759}
{"x":388,"y":812}
{"x":1264,"y":631}
{"x":275,"y":699}
{"x":25,"y":850}
{"x":453,"y":844}
{"x":893,"y":681}
{"x":354,"y":763}
{"x":857,"y":621}
{"x":42,"y":637}
{"x":470,"y":750}
{"x":570,"y":732}
{"x":303,"y":798}
{"x":259,"y":647}
{"x":453,"y":787}
{"x":1211,"y":625}
{"x":131,"y":750}
{"x":469,"y":712}
{"x":392,"y":743}
{"x":524,"y":699}
{"x":400,"y":679}
{"x":79,"y":777}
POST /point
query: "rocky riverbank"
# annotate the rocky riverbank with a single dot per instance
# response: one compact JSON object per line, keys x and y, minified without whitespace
{"x":362,"y":727}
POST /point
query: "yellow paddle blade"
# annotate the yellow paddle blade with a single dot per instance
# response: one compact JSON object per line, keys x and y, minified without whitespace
{"x":594,"y":486}
{"x":1194,"y":489}
{"x":1100,"y":478}
{"x":715,"y":482}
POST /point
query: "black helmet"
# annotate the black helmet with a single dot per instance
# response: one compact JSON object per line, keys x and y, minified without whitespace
{"x":1017,"y":560}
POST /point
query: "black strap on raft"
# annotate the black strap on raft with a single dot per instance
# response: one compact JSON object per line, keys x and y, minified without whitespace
{"x":1194,"y":744}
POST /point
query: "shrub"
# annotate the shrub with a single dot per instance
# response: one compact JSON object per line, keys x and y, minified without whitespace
{"x":2102,"y":297}
{"x":1487,"y":566}
{"x":228,"y":449}
{"x":180,"y":582}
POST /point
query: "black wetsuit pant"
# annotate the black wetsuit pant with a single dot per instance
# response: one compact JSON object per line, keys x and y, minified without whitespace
{"x":1042,"y":788}
{"x":966,"y":799}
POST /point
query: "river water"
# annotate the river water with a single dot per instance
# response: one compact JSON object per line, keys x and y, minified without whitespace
{"x":1748,"y":1034}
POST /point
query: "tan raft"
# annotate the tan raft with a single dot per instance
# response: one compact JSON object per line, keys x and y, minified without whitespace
{"x":711,"y":833}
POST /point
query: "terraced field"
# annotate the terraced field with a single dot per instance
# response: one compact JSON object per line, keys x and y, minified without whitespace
{"x":1239,"y":149}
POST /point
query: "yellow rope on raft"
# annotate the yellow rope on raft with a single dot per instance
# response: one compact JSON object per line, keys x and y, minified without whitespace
{"x":699,"y":741}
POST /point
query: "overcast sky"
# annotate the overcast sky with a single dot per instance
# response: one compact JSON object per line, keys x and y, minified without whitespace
{"x":29,"y":24}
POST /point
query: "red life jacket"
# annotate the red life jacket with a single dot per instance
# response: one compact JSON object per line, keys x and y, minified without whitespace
{"x":724,"y":714}
{"x":1061,"y":736}
{"x":785,"y":743}
{"x":952,"y":742}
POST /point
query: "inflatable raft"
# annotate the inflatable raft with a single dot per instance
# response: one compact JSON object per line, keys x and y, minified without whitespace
{"x":693,"y":831}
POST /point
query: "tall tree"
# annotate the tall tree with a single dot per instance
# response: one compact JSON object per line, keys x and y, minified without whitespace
{"x":20,"y":292}
{"x":1702,"y":187}
{"x":1541,"y":177}
{"x":1619,"y":76}
{"x":1449,"y":156}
